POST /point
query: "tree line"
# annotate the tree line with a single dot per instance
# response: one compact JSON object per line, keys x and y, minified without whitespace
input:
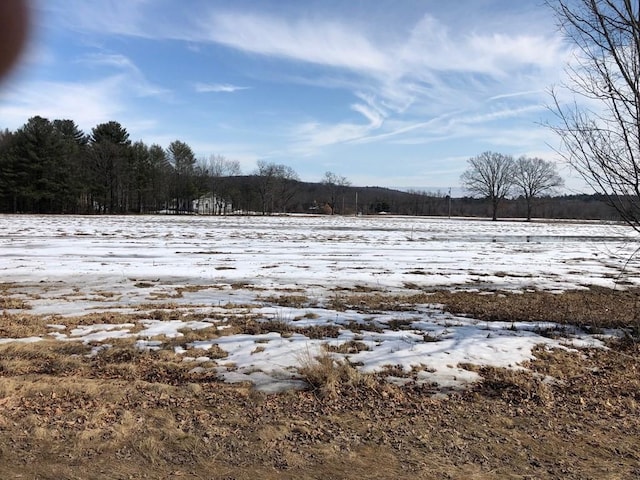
{"x":54,"y":167}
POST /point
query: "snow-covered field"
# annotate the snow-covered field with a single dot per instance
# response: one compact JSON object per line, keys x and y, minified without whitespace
{"x":226,"y":267}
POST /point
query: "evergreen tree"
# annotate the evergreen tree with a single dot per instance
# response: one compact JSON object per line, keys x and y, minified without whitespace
{"x":110,"y":148}
{"x":183,"y":161}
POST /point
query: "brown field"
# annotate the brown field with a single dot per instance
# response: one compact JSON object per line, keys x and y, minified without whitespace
{"x":130,"y":414}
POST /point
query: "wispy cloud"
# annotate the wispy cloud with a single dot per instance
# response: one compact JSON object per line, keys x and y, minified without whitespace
{"x":88,"y":103}
{"x":328,"y":43}
{"x":132,"y":75}
{"x":218,"y":88}
{"x":430,"y":72}
{"x":435,"y":75}
{"x":374,"y":116}
{"x":310,"y":136}
{"x":526,"y":93}
{"x":108,"y":17}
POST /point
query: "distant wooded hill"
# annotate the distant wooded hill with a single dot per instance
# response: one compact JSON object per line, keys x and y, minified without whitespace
{"x":313,"y":198}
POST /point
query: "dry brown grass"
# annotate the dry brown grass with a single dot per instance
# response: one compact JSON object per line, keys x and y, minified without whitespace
{"x":12,"y":303}
{"x":287,"y":300}
{"x":376,"y":301}
{"x":352,"y":346}
{"x":329,"y":377}
{"x":368,"y":326}
{"x":123,"y":360}
{"x":48,"y":357}
{"x":594,"y":308}
{"x":252,"y":326}
{"x":8,"y":299}
{"x":189,"y":336}
{"x":131,"y":414}
{"x":22,"y":325}
{"x":308,"y":316}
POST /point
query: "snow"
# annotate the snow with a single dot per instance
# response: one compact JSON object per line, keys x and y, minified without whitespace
{"x":224,"y":268}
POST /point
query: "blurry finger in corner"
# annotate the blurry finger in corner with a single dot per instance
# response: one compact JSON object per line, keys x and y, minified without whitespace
{"x":14,"y":27}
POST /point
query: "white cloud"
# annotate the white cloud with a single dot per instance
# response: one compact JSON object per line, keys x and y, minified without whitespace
{"x":329,"y":43}
{"x":499,"y":114}
{"x":308,"y":138}
{"x":527,"y":93}
{"x":217,"y":88}
{"x":135,"y":79}
{"x":434,"y":76}
{"x":87,"y":103}
{"x":429,"y":73}
{"x":374,"y":116}
{"x":130,"y":18}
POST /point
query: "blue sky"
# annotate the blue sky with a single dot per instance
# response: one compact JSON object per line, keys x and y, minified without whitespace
{"x":391,"y":93}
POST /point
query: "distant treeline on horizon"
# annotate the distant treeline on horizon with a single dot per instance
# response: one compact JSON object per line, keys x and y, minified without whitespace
{"x":52,"y":167}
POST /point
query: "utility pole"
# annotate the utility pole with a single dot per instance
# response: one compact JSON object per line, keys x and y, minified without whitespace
{"x":449,"y":203}
{"x":356,"y":203}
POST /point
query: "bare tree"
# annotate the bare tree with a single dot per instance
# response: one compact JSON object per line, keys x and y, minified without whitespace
{"x":533,"y":177}
{"x":490,"y":175}
{"x":286,"y":187}
{"x":337,"y":185}
{"x":218,"y":168}
{"x":600,"y":129}
{"x":276,"y":186}
{"x":221,"y":166}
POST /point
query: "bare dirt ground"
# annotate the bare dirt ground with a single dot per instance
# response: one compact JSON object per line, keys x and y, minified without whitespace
{"x":129,"y":414}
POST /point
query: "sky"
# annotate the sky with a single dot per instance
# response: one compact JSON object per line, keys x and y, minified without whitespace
{"x":386,"y":93}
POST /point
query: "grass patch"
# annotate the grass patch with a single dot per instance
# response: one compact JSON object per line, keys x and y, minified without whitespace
{"x":595,"y":308}
{"x":12,"y":303}
{"x":400,"y":324}
{"x":48,"y":357}
{"x":517,"y":387}
{"x":376,"y":302}
{"x":350,"y":347}
{"x":358,"y":327}
{"x":318,"y":332}
{"x":127,"y":413}
{"x":292,"y":301}
{"x":328,"y":377}
{"x":250,"y":326}
{"x":430,"y":337}
{"x":126,"y":362}
{"x":189,"y":335}
{"x":120,"y":422}
{"x":21,"y":325}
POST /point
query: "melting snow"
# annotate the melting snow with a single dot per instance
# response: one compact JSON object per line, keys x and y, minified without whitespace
{"x":69,"y":266}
